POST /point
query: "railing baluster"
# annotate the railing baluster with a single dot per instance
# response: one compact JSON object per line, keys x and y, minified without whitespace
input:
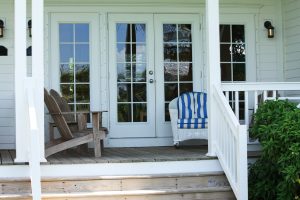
{"x":227,"y":95}
{"x":274,"y":94}
{"x":237,"y":108}
{"x":265,"y":95}
{"x":255,"y":101}
{"x":246,"y":108}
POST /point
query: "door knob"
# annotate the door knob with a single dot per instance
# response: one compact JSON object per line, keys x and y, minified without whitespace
{"x":151,"y":81}
{"x":151,"y":72}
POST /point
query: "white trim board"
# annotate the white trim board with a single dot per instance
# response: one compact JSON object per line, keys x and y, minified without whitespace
{"x":113,"y":169}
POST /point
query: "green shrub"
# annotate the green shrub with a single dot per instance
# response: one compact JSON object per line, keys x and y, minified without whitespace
{"x":275,"y":175}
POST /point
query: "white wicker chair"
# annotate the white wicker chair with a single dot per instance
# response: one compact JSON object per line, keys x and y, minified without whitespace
{"x":181,"y":134}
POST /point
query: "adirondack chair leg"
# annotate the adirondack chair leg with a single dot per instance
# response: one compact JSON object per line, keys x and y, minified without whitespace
{"x":97,"y":145}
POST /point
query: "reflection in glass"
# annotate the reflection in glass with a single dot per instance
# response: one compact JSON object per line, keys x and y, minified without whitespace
{"x":238,"y":33}
{"x":184,"y":32}
{"x":139,"y":53}
{"x":83,"y":107}
{"x":185,"y":87}
{"x":123,"y":32}
{"x":226,"y":72}
{"x":185,"y":72}
{"x":225,"y":52}
{"x":82,"y":93}
{"x":124,"y":112}
{"x":224,"y":33}
{"x":123,"y":52}
{"x":171,"y":91}
{"x":138,"y":33}
{"x":66,"y":33}
{"x":81,"y":33}
{"x":238,"y":52}
{"x":185,"y":52}
{"x":66,"y":52}
{"x":67,"y":91}
{"x":239,"y":72}
{"x":170,"y":52}
{"x":82,"y":73}
{"x":66,"y":73}
{"x":139,"y":72}
{"x":82,"y":53}
{"x":139,"y":92}
{"x":171,"y":71}
{"x":139,"y":112}
{"x":124,"y":72}
{"x":170,"y":32}
{"x":124,"y":92}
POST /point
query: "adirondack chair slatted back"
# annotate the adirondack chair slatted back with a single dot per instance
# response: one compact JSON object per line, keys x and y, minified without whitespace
{"x":63,"y":105}
{"x":57,"y":116}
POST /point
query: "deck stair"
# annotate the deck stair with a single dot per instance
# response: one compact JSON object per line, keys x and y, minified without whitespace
{"x":206,"y":186}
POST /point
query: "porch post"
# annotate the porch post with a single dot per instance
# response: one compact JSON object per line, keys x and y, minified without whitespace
{"x":213,"y":65}
{"x":20,"y":75}
{"x":38,"y":65}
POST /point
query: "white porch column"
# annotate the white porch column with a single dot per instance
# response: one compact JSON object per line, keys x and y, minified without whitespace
{"x":213,"y":66}
{"x":38,"y":65}
{"x":20,"y":75}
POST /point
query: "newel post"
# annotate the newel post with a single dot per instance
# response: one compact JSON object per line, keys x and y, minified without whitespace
{"x":213,"y":67}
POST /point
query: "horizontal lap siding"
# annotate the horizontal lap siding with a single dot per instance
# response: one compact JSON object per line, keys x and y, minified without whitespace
{"x":291,"y":16}
{"x":7,"y":111}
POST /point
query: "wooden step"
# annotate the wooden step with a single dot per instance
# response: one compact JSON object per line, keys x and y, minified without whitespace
{"x":171,"y":186}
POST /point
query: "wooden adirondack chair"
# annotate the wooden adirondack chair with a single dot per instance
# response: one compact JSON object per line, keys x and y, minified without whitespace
{"x":70,"y":137}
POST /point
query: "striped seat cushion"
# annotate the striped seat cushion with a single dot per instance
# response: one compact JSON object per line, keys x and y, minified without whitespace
{"x":186,"y":107}
{"x":193,"y":123}
{"x":200,"y":99}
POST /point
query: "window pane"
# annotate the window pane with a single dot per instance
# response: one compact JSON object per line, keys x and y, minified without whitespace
{"x":239,"y":72}
{"x":138,"y":53}
{"x":138,"y":33}
{"x":238,"y":51}
{"x":139,"y":92}
{"x":123,"y":52}
{"x":82,"y":73}
{"x":124,"y":92}
{"x":81,"y":33}
{"x":123,"y":32}
{"x":170,"y":32}
{"x":167,"y":114}
{"x":225,"y":53}
{"x":171,"y":72}
{"x":224,"y":33}
{"x":185,"y":72}
{"x":184,"y":33}
{"x":226,"y":72}
{"x":83,"y":107}
{"x":185,"y":52}
{"x":170,"y":52}
{"x":66,"y":33}
{"x":66,"y":53}
{"x":124,"y":112}
{"x":139,"y":72}
{"x":171,"y":91}
{"x":82,"y":53}
{"x":82,"y":93}
{"x":66,"y":73}
{"x":124,"y":72}
{"x":186,"y":87}
{"x":238,"y":33}
{"x":67,"y":92}
{"x":140,"y":112}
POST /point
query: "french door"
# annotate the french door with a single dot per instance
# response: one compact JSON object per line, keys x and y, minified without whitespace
{"x":152,"y":59}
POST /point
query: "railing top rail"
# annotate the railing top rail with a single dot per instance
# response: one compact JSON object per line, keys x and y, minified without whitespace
{"x":252,"y":86}
{"x":232,"y":120}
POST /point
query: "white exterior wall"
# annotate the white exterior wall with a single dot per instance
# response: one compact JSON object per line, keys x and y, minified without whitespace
{"x":291,"y":24}
{"x":268,"y":65}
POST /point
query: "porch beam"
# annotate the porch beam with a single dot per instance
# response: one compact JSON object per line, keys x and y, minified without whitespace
{"x":213,"y":66}
{"x":20,"y":75}
{"x":38,"y":66}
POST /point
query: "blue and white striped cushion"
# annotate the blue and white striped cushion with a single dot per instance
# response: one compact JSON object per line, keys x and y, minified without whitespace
{"x":186,"y":107}
{"x":193,"y":123}
{"x":200,"y":104}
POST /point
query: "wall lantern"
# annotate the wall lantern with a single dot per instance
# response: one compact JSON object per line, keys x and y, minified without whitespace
{"x":1,"y":28}
{"x":270,"y":29}
{"x":29,"y":28}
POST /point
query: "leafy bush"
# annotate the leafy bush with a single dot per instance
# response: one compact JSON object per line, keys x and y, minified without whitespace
{"x":275,"y":175}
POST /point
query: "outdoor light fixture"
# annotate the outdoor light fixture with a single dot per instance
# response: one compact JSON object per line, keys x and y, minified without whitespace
{"x":270,"y":29}
{"x":29,"y":28}
{"x":1,"y":28}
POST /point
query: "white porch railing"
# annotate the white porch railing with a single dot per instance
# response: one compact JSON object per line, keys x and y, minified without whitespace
{"x":34,"y":153}
{"x":231,"y":146}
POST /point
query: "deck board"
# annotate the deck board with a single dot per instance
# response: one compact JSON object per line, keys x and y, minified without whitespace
{"x":118,"y":155}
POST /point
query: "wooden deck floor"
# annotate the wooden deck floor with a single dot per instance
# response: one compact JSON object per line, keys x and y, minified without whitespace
{"x":119,"y":155}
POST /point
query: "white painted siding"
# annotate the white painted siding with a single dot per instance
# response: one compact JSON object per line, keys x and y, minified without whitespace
{"x":291,"y":23}
{"x":268,"y":65}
